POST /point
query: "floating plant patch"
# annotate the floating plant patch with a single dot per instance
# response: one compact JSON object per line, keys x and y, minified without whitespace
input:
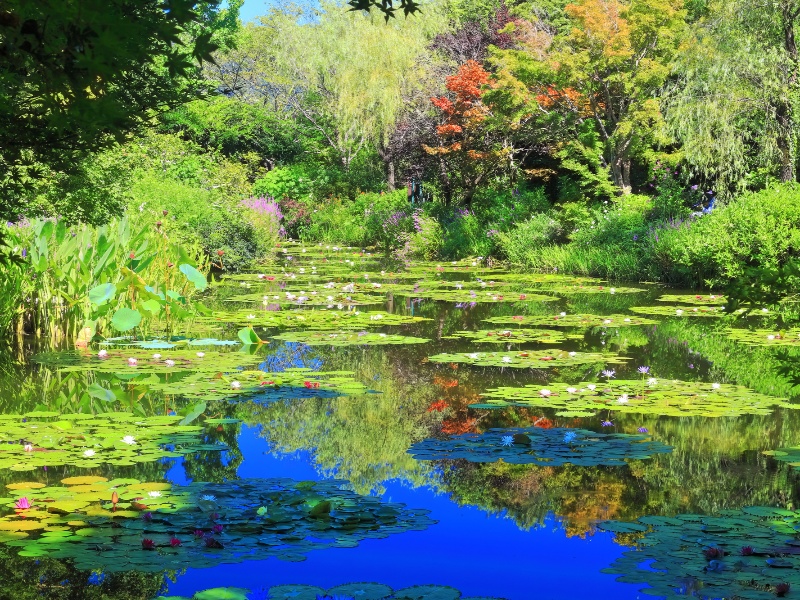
{"x":479,"y":295}
{"x":651,"y":396}
{"x":47,"y":439}
{"x":159,"y":527}
{"x":545,"y":447}
{"x":347,"y":338}
{"x":788,"y":455}
{"x":679,"y":311}
{"x":748,"y":554}
{"x":313,"y":298}
{"x":348,"y":591}
{"x":166,"y":344}
{"x":528,"y":359}
{"x":316,"y":319}
{"x":766,"y":337}
{"x":509,"y":336}
{"x":263,"y":387}
{"x":694,"y":299}
{"x":581,"y":288}
{"x":570,"y":320}
{"x":158,"y":361}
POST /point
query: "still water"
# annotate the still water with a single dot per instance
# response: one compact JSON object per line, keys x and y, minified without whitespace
{"x":531,"y":494}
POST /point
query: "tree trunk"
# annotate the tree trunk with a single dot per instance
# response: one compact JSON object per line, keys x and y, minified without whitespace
{"x":784,"y":142}
{"x":390,"y":182}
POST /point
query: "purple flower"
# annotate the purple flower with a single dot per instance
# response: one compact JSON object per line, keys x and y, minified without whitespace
{"x":643,"y":370}
{"x":642,"y":430}
{"x":606,"y":423}
{"x":608,"y":373}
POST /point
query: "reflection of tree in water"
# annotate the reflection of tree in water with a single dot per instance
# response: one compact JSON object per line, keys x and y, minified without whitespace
{"x":716,"y":464}
{"x":37,"y":579}
{"x":290,"y":355}
{"x":215,"y":466}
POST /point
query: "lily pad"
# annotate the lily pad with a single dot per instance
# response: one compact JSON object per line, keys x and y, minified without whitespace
{"x":577,"y":320}
{"x":348,"y":338}
{"x":529,"y":359}
{"x":509,"y":336}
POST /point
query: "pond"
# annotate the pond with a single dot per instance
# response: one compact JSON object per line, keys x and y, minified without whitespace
{"x":343,"y":427}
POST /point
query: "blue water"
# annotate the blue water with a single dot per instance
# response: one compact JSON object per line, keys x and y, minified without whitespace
{"x":477,"y":553}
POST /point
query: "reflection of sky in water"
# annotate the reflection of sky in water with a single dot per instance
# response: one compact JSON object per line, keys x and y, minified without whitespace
{"x":479,"y":554}
{"x":290,"y":355}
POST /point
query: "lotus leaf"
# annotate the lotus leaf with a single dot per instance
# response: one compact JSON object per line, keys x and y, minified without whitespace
{"x":533,"y":359}
{"x":545,"y":447}
{"x":569,"y":320}
{"x":653,"y":396}
{"x":741,"y":554}
{"x":209,"y":523}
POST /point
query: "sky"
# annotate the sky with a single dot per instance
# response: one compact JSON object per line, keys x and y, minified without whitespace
{"x":254,"y":8}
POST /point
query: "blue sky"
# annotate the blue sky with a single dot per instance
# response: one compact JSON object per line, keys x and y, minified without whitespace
{"x":253,"y":8}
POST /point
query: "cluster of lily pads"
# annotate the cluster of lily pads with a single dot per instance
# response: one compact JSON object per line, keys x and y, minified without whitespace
{"x":47,"y":439}
{"x":664,"y":397}
{"x":748,"y":554}
{"x":528,"y":359}
{"x":314,"y":319}
{"x":124,"y":524}
{"x":766,"y":337}
{"x":348,"y":591}
{"x":680,"y":311}
{"x":570,"y":320}
{"x":545,"y":447}
{"x":347,"y":338}
{"x":509,"y":336}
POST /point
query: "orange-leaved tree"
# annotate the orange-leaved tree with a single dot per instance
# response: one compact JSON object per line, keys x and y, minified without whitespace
{"x":470,"y":148}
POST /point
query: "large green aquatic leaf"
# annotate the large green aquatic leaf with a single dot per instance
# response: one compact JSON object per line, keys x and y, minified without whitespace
{"x":650,"y":396}
{"x":570,"y":320}
{"x":157,"y":527}
{"x":194,"y":276}
{"x":546,"y":447}
{"x":125,"y":319}
{"x":742,"y":554}
{"x":348,"y":338}
{"x":102,"y":293}
{"x":529,"y":359}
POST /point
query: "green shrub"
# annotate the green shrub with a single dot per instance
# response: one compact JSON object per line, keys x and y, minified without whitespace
{"x":501,"y":209}
{"x":292,"y":182}
{"x":425,"y":241}
{"x":465,"y":235}
{"x":529,"y":236}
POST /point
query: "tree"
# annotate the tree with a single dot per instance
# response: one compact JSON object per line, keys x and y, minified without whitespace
{"x":77,"y":76}
{"x":734,"y":105}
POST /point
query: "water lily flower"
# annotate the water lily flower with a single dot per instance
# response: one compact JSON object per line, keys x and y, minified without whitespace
{"x":148,"y":544}
{"x":781,"y":589}
{"x":715,"y":386}
{"x":627,"y":320}
{"x":643,"y":370}
{"x":169,"y":362}
{"x":251,"y":317}
{"x":217,"y":528}
{"x":132,"y":362}
{"x":102,"y":354}
{"x":608,"y":373}
{"x":201,"y":354}
{"x":174,"y":542}
{"x":606,"y":321}
{"x":591,"y":387}
{"x":642,"y":430}
{"x":506,"y":359}
{"x":22,"y":504}
{"x":545,"y":393}
{"x":156,"y":356}
{"x":746,"y":551}
{"x":148,"y":516}
{"x":612,"y":291}
{"x":652,"y":381}
{"x":129,"y":439}
{"x":571,"y":390}
{"x":96,"y":578}
{"x":569,"y":436}
{"x":507,"y":440}
{"x":563,"y":314}
{"x":623,"y":399}
{"x":235,"y":385}
{"x":606,"y":424}
{"x":770,"y":337}
{"x":89,"y":453}
{"x":28,"y":447}
{"x":199,"y":533}
{"x":208,"y":497}
{"x":474,"y":355}
{"x":679,"y":312}
{"x":573,"y":353}
{"x":114,"y":498}
{"x":764,"y":310}
{"x":154,"y":494}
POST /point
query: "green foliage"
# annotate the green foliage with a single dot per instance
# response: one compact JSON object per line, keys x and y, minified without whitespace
{"x":529,"y":237}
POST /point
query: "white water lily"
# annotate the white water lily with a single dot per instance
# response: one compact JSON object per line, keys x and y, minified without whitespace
{"x":154,"y":494}
{"x":606,"y":321}
{"x":770,"y":337}
{"x":129,"y":439}
{"x":156,"y":356}
{"x":474,"y":355}
{"x":679,"y":312}
{"x":251,"y":317}
{"x":132,"y":362}
{"x":563,"y":314}
{"x":201,"y":354}
{"x":545,"y":393}
{"x":627,"y":320}
{"x":612,"y":291}
{"x":102,"y":354}
{"x":715,"y":386}
{"x":208,"y":497}
{"x":571,"y":390}
{"x":623,"y":399}
{"x":652,"y":381}
{"x":169,"y":362}
{"x":591,"y":386}
{"x":573,"y":353}
{"x":235,"y":385}
{"x":506,"y":359}
{"x":89,"y":453}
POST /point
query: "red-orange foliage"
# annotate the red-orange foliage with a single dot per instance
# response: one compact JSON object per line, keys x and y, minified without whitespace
{"x":454,"y":427}
{"x":439,"y":406}
{"x":466,"y":110}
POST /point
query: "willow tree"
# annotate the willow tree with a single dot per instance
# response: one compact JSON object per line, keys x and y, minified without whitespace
{"x":342,"y":74}
{"x":734,"y":105}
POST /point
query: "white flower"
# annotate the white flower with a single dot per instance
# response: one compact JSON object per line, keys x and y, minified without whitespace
{"x":545,"y":393}
{"x":102,"y":354}
{"x":208,"y":497}
{"x":652,"y":381}
{"x":382,"y":334}
{"x":623,"y":399}
{"x":570,"y":390}
{"x":679,"y":312}
{"x":573,"y":353}
{"x":156,"y":356}
{"x":28,"y":447}
{"x":129,"y":439}
{"x":132,"y":362}
{"x":201,"y":354}
{"x":459,"y":286}
{"x":770,"y":337}
{"x":606,"y":321}
{"x":627,"y":320}
{"x":169,"y":362}
{"x":474,"y":355}
{"x":235,"y":385}
{"x":89,"y":453}
{"x":612,"y":291}
{"x":715,"y":386}
{"x":764,"y":310}
{"x":251,"y":317}
{"x":563,"y":314}
{"x":340,"y":306}
{"x":506,"y":359}
{"x":591,"y":386}
{"x":154,"y":494}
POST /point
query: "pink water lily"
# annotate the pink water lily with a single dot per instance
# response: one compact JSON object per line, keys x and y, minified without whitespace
{"x":22,"y":504}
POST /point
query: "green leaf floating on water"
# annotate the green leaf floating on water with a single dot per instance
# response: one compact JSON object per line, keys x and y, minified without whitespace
{"x":88,"y":441}
{"x":248,"y":336}
{"x":698,"y":299}
{"x":132,"y":360}
{"x":741,"y":554}
{"x":509,"y":336}
{"x":570,"y":320}
{"x":679,"y":311}
{"x":306,"y":298}
{"x":528,"y":359}
{"x":651,"y":396}
{"x":479,"y":295}
{"x":314,"y":319}
{"x":95,"y":534}
{"x":348,"y":338}
{"x":766,"y":337}
{"x":545,"y":447}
